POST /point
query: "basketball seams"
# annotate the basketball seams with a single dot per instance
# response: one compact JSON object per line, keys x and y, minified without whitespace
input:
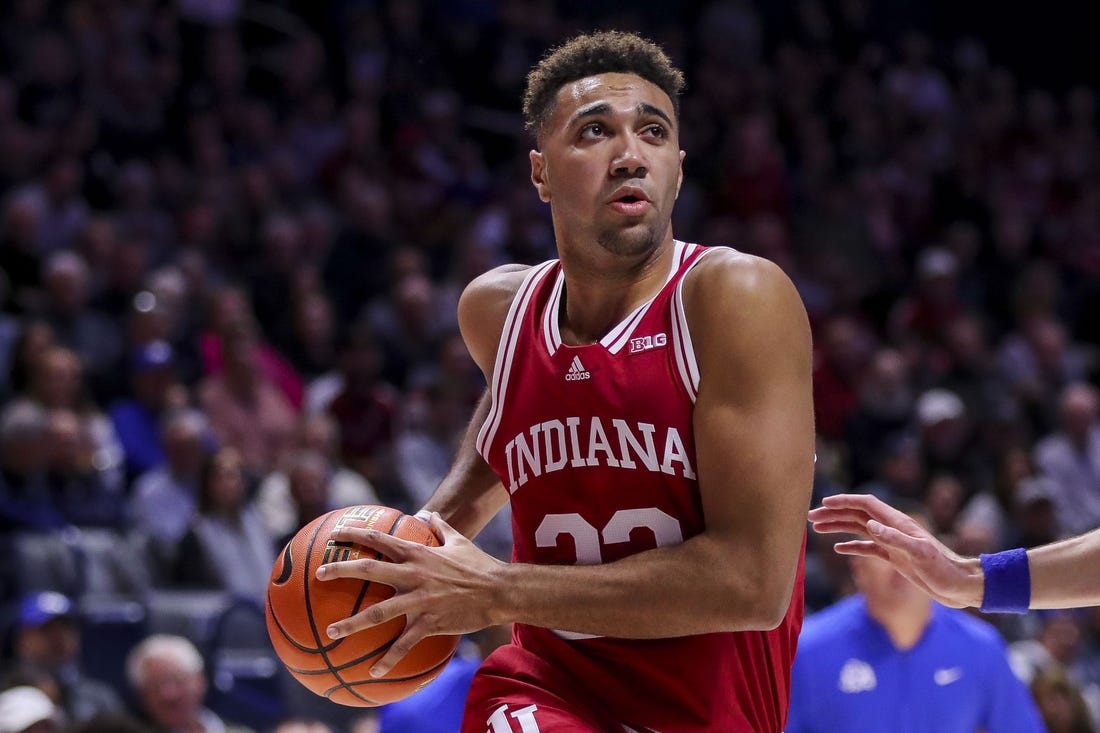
{"x":322,"y":650}
{"x":295,"y":600}
{"x":386,"y":680}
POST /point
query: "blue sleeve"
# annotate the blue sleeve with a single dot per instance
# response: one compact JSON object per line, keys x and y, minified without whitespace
{"x":1010,"y":707}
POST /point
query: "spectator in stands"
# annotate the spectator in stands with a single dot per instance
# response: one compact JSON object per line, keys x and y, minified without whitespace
{"x":301,"y":725}
{"x":29,"y":710}
{"x":168,"y":676}
{"x":307,"y":484}
{"x":885,"y":409}
{"x":428,"y":442}
{"x":936,"y":303}
{"x":1060,"y":703}
{"x":1070,"y":457}
{"x":311,"y":343}
{"x":165,"y":499}
{"x":843,"y":353}
{"x":900,"y":473}
{"x":280,"y":508}
{"x":226,"y":546}
{"x":35,"y":337}
{"x":1037,"y":361}
{"x":948,"y":441}
{"x":57,"y":382}
{"x":230,"y":312}
{"x":409,"y":328}
{"x":1058,"y":644}
{"x":25,"y":500}
{"x":111,"y":723}
{"x":96,"y":340}
{"x":137,"y":418}
{"x":364,"y":407}
{"x":245,"y":409}
{"x":77,"y":487}
{"x":47,"y":639}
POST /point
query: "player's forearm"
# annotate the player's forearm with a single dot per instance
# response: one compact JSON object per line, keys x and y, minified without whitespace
{"x":1066,"y":574}
{"x":693,"y":588}
{"x":471,"y":494}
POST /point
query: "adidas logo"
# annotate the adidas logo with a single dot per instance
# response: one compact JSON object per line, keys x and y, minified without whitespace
{"x":577,"y":372}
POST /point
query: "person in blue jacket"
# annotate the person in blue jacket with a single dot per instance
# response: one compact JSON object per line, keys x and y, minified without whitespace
{"x":891,"y":659}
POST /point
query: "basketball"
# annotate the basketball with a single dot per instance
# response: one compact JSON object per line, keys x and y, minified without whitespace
{"x":300,"y":608}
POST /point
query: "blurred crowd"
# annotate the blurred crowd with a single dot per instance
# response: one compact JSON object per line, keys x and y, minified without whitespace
{"x":233,"y":235}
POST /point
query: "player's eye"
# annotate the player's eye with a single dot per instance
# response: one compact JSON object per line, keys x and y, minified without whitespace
{"x":593,"y":130}
{"x":656,"y":131}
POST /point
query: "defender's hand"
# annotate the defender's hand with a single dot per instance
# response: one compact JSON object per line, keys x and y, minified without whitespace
{"x":899,"y":539}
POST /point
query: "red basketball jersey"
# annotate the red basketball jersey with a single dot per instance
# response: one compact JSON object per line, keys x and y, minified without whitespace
{"x":596,"y":448}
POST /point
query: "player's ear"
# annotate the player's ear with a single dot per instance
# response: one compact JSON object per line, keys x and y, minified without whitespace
{"x":680,"y":174}
{"x":539,"y":175}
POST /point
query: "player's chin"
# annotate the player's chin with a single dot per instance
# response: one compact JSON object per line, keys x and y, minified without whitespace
{"x":633,"y":239}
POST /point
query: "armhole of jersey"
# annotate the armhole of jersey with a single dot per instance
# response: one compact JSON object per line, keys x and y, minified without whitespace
{"x":502,"y":367}
{"x":686,"y":365}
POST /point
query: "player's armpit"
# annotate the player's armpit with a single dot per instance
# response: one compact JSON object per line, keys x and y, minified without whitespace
{"x":754,"y":428}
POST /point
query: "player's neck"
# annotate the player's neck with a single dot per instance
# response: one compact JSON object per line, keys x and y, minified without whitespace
{"x":904,"y":623}
{"x":596,"y":299}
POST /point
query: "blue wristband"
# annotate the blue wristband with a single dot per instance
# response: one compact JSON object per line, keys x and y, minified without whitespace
{"x":1007,"y":582}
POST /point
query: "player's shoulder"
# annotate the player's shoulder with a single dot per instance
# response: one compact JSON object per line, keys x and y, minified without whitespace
{"x":726,"y":269}
{"x":483,"y":307}
{"x":967,"y":625}
{"x":744,"y":303}
{"x":727,"y":282}
{"x":501,"y":282}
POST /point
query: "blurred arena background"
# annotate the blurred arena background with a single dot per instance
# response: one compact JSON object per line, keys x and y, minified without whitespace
{"x":233,"y":234}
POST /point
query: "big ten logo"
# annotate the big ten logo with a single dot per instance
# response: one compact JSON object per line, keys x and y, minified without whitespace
{"x":645,"y":343}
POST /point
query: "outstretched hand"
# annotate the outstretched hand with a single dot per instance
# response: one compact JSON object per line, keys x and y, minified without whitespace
{"x":899,"y":539}
{"x":447,"y":589}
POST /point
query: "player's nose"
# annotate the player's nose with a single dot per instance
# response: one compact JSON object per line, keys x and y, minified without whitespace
{"x":628,"y":160}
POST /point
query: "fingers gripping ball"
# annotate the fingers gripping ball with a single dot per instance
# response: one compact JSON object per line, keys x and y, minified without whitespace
{"x":300,"y":608}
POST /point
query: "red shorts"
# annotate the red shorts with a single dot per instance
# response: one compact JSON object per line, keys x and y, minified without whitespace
{"x":516,"y":692}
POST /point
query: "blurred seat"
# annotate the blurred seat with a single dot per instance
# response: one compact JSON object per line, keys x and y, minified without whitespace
{"x":45,"y":561}
{"x":249,"y":683}
{"x":113,"y":563}
{"x":111,"y":626}
{"x":188,"y":613}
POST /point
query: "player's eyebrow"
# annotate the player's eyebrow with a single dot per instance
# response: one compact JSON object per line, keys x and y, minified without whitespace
{"x":645,"y":108}
{"x":602,"y":108}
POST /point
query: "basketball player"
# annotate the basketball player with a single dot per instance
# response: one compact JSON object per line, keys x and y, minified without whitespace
{"x":649,"y":418}
{"x":1064,"y":574}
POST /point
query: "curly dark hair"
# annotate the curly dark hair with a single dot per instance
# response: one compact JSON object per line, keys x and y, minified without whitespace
{"x":591,"y":54}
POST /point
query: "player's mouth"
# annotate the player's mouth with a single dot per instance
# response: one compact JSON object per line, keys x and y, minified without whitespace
{"x":630,"y":201}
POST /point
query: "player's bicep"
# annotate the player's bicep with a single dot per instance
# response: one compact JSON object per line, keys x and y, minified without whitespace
{"x":754,"y":428}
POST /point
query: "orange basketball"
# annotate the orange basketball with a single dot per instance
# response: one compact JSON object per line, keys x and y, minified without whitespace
{"x":300,"y":608}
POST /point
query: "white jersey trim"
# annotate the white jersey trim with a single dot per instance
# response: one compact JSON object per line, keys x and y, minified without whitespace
{"x":619,"y":336}
{"x":502,"y":367}
{"x":682,"y":347}
{"x":550,"y":326}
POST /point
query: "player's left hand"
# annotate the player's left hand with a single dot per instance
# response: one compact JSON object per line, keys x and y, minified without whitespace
{"x":447,"y":589}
